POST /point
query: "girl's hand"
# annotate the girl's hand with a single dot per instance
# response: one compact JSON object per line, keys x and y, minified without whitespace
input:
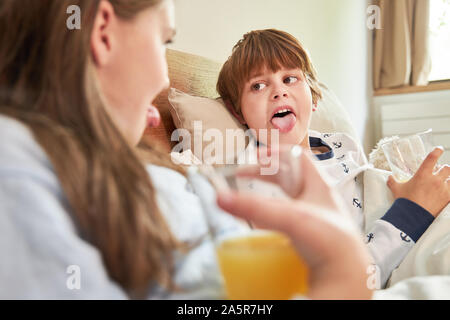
{"x":429,"y":190}
{"x":296,"y":174}
{"x":320,"y":229}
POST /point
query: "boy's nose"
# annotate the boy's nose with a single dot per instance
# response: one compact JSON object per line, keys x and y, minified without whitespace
{"x":279,"y":94}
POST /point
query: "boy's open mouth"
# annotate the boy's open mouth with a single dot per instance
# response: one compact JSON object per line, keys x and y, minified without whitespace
{"x":283,"y":119}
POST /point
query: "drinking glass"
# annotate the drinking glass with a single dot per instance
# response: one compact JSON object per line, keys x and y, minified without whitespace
{"x":406,"y":154}
{"x":255,"y":264}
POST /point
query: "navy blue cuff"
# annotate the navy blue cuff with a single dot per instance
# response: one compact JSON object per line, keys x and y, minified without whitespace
{"x":409,"y":217}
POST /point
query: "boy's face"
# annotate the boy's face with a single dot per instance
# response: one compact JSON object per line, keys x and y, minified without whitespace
{"x":280,"y":100}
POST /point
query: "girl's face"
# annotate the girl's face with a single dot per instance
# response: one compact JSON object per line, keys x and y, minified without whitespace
{"x":280,"y":100}
{"x":131,"y":64}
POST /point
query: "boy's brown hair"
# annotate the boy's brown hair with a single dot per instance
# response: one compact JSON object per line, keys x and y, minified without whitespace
{"x":269,"y":48}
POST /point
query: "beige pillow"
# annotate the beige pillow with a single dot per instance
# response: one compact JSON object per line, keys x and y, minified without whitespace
{"x":206,"y":127}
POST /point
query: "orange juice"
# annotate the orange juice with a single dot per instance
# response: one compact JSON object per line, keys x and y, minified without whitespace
{"x":261,"y":266}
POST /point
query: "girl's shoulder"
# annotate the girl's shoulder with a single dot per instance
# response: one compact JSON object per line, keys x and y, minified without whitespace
{"x":21,"y":154}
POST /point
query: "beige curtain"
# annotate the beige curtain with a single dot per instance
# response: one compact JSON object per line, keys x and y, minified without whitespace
{"x":401,"y":53}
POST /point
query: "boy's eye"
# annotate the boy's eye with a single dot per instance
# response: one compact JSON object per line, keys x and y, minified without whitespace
{"x":290,"y":80}
{"x":258,"y":86}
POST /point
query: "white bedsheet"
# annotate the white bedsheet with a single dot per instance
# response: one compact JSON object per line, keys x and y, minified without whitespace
{"x":425,"y":272}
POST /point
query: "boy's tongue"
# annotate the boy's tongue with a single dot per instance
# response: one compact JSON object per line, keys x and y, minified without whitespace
{"x":284,"y":124}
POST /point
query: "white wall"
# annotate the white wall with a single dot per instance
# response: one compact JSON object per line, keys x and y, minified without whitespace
{"x":333,"y":31}
{"x":405,"y":114}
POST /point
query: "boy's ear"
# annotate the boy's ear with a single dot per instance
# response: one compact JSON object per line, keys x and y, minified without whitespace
{"x":230,"y":108}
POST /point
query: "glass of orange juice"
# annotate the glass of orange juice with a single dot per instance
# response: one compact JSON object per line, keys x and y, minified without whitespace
{"x":255,"y":264}
{"x":261,"y":265}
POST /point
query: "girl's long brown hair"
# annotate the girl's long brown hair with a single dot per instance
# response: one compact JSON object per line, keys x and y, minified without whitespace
{"x":47,"y":82}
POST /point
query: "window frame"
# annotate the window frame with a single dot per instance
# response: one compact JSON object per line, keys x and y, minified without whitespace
{"x":432,"y":86}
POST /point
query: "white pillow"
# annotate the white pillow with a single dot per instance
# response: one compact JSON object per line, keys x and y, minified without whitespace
{"x":331,"y":116}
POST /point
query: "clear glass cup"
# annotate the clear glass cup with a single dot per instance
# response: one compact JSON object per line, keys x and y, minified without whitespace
{"x":406,"y":154}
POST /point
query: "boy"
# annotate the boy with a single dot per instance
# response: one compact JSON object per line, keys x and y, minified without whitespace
{"x":269,"y":83}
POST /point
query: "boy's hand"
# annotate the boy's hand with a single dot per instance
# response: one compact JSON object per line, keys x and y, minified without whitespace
{"x":429,"y":190}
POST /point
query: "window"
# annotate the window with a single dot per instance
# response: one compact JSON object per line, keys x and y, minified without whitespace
{"x":440,"y":39}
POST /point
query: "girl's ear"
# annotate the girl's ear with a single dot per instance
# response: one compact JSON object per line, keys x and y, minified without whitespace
{"x":102,"y":33}
{"x":230,"y":108}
